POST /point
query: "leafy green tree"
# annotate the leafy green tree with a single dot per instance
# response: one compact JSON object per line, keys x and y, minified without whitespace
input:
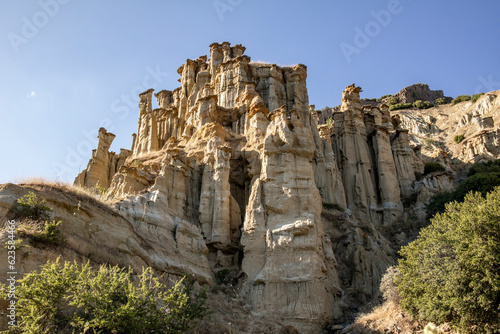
{"x":451,"y":272}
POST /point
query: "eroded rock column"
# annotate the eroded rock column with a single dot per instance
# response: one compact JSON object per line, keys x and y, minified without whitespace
{"x":283,"y":230}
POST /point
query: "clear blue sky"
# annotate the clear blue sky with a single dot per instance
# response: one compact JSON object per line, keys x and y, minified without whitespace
{"x":67,"y":68}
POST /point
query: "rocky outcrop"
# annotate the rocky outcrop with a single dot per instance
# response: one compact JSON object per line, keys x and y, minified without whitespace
{"x":421,"y":92}
{"x":363,"y":146}
{"x":104,"y":164}
{"x":283,"y":229}
{"x":235,"y":155}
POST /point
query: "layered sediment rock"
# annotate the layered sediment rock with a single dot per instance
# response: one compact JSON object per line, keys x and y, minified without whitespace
{"x":365,"y":155}
{"x":234,"y":163}
{"x":104,"y":164}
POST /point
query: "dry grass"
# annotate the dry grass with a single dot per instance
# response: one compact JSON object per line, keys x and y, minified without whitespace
{"x":390,"y":318}
{"x":89,"y":196}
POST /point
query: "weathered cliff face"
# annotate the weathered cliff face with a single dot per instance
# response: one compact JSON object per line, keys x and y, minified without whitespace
{"x":104,"y":164}
{"x":236,"y":153}
{"x":432,"y":131}
{"x":363,"y":146}
{"x":232,"y":172}
{"x":417,"y":92}
{"x":283,"y":229}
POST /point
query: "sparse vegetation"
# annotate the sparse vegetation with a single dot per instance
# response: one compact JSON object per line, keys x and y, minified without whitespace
{"x":460,"y":98}
{"x":383,"y":97}
{"x":48,"y":233}
{"x":419,"y":104}
{"x":34,"y":224}
{"x":440,"y":100}
{"x":70,"y":298}
{"x":333,"y":206}
{"x":481,"y":177}
{"x":224,"y":276}
{"x":428,"y":142}
{"x":393,"y":100}
{"x":399,"y":106}
{"x":373,"y":100}
{"x":431,"y":167}
{"x":476,"y":97}
{"x":451,"y":272}
{"x":458,"y":138}
{"x":32,"y":207}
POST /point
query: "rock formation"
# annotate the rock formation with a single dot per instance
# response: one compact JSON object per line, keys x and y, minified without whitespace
{"x":236,"y":171}
{"x":104,"y":164}
{"x":421,"y":92}
{"x":365,"y":155}
{"x":236,"y":158}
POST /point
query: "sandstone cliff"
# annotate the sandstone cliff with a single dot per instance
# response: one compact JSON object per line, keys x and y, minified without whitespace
{"x":237,"y":155}
{"x":236,"y":171}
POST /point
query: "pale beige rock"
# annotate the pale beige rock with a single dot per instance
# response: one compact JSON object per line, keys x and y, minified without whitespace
{"x":403,"y":159}
{"x":233,"y":168}
{"x":103,"y":164}
{"x":283,"y":229}
{"x":354,"y":156}
{"x":147,"y":132}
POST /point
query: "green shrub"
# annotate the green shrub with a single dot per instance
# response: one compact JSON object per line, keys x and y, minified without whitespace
{"x":333,"y":206}
{"x":428,"y":142}
{"x":437,"y":203}
{"x":399,"y":106}
{"x":383,"y":97}
{"x":393,"y":100}
{"x":422,"y":104}
{"x":492,"y":166}
{"x":69,"y":298}
{"x":373,"y":100}
{"x":476,"y":97}
{"x":31,"y":207}
{"x":460,"y":98}
{"x":49,"y":233}
{"x":224,"y":276}
{"x":458,"y":138}
{"x":450,"y":273}
{"x":431,"y":167}
{"x":440,"y":100}
{"x":482,"y":183}
{"x":481,"y":177}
